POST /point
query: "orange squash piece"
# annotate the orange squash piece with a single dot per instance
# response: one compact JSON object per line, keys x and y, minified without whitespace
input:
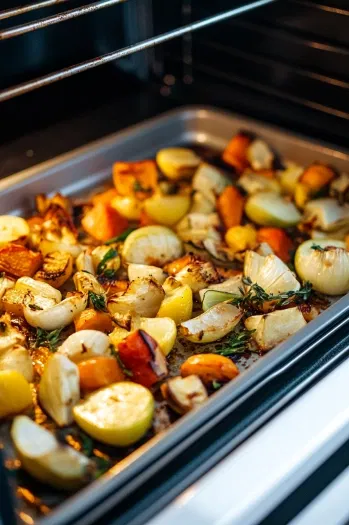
{"x":278,"y":240}
{"x":103,"y":222}
{"x":98,"y":372}
{"x":316,"y":176}
{"x":105,"y":197}
{"x":135,"y":178}
{"x":19,"y":261}
{"x":178,"y":264}
{"x":230,"y":205}
{"x":145,"y":220}
{"x":90,"y":319}
{"x":210,"y":367}
{"x":235,"y":153}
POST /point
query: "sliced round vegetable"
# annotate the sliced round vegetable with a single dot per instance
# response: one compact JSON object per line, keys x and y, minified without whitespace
{"x":212,"y":325}
{"x":47,"y":460}
{"x":85,"y":344}
{"x":210,"y":367}
{"x":12,"y":229}
{"x":324,"y":263}
{"x":57,"y":316}
{"x":15,"y":393}
{"x":59,"y":389}
{"x":177,"y":162}
{"x":99,"y":372}
{"x":178,"y":305}
{"x":213,"y":297}
{"x":117,"y":415}
{"x":153,"y":245}
{"x":167,"y":209}
{"x":270,"y":209}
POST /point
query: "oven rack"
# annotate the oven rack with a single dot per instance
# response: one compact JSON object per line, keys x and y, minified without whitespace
{"x":67,"y":72}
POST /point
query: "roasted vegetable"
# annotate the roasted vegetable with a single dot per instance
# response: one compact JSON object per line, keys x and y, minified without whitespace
{"x":15,"y":393}
{"x":212,"y":325}
{"x":177,"y":304}
{"x":198,"y":275}
{"x":142,"y":297}
{"x":13,"y":229}
{"x":167,"y":209}
{"x":325,"y":264}
{"x":17,"y":358}
{"x":135,"y":178}
{"x":184,"y":394}
{"x":326,"y":215}
{"x":270,"y":273}
{"x":59,"y":389}
{"x":152,"y":245}
{"x":241,"y":238}
{"x":44,"y":458}
{"x":270,"y":209}
{"x":85,"y":344}
{"x":56,"y":269}
{"x":90,"y":319}
{"x":254,"y":183}
{"x":9,"y":335}
{"x":278,"y":240}
{"x":57,"y":316}
{"x":141,"y":354}
{"x":137,"y":271}
{"x":103,"y":222}
{"x":119,"y":414}
{"x":260,"y":155}
{"x":235,"y":152}
{"x":210,"y":181}
{"x":176,"y":163}
{"x":230,"y":206}
{"x":128,"y":206}
{"x":99,"y":372}
{"x":17,"y":260}
{"x":275,"y":327}
{"x":210,"y":367}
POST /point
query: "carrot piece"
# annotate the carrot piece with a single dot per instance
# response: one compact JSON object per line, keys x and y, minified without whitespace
{"x":278,"y":240}
{"x":98,"y":372}
{"x":135,"y":178}
{"x":19,"y":261}
{"x":269,"y":174}
{"x":105,"y":197}
{"x":230,"y":206}
{"x":316,"y":176}
{"x":145,"y":220}
{"x":103,"y":222}
{"x":178,"y":264}
{"x":90,"y":319}
{"x":210,"y":367}
{"x":235,"y":152}
{"x":141,"y":354}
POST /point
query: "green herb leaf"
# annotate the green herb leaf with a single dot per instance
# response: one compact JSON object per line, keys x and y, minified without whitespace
{"x":102,"y":466}
{"x":50,"y":339}
{"x":109,"y":274}
{"x":317,"y":247}
{"x":236,"y":344}
{"x":216,"y":385}
{"x":120,"y":237}
{"x":97,"y":301}
{"x":111,"y":254}
{"x":86,"y":444}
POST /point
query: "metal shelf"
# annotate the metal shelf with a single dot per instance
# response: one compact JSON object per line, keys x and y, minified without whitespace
{"x":45,"y":80}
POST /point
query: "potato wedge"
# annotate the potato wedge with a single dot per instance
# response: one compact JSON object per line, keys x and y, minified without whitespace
{"x":184,"y":394}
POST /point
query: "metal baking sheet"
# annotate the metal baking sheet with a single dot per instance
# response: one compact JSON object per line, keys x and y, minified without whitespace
{"x":79,"y":172}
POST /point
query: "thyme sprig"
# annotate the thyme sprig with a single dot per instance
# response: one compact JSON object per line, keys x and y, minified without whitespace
{"x":236,"y":344}
{"x":122,"y":237}
{"x":111,"y":254}
{"x":49,"y":339}
{"x":317,"y":247}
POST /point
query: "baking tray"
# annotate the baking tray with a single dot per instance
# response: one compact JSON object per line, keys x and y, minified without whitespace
{"x":80,"y":171}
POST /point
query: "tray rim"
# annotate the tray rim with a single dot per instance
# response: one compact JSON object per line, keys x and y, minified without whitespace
{"x":246,"y":380}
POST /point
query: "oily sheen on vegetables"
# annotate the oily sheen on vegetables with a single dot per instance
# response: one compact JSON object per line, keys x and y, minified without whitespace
{"x":125,"y":310}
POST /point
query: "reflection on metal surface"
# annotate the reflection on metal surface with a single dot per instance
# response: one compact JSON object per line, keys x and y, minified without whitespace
{"x":9,"y":13}
{"x":110,"y":57}
{"x":55,"y":19}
